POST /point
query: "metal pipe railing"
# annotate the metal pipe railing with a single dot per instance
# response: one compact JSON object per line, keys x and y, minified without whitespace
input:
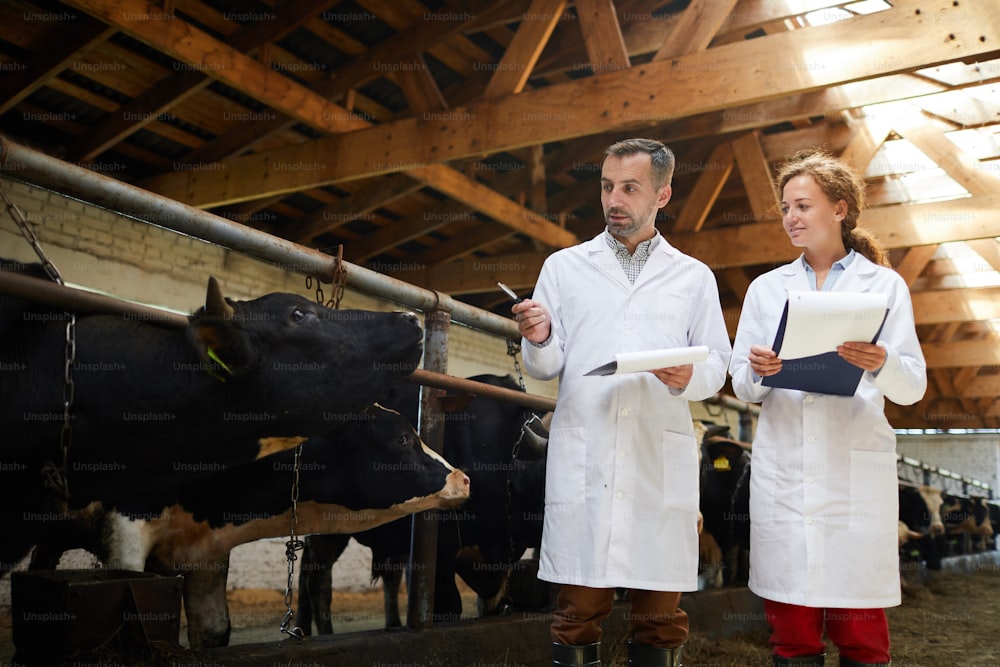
{"x":36,"y":168}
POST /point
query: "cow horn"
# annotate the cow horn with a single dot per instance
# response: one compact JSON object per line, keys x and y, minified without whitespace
{"x":535,"y":442}
{"x":215,"y":303}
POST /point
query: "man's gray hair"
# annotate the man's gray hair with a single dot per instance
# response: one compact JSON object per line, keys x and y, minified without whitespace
{"x":661,"y":157}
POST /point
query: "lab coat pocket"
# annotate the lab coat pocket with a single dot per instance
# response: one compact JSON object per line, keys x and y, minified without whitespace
{"x":680,"y":471}
{"x":874,"y":501}
{"x":566,"y":468}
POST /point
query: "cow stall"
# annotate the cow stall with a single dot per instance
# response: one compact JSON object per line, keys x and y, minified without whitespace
{"x":439,"y":308}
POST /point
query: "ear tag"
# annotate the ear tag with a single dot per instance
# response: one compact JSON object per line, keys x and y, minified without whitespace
{"x":721,"y":464}
{"x":214,"y":357}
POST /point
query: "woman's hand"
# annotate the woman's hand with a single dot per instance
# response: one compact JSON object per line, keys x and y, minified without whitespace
{"x":868,"y":356}
{"x":763,"y":361}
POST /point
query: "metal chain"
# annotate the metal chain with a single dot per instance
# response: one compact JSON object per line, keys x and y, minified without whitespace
{"x":293,"y":545}
{"x":54,"y":475}
{"x":339,"y":284}
{"x":513,"y":349}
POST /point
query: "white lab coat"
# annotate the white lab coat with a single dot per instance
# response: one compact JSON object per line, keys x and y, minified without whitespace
{"x":621,"y":488}
{"x":823,"y":493}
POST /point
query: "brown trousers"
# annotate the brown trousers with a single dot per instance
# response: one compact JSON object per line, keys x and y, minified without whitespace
{"x":654,"y":618}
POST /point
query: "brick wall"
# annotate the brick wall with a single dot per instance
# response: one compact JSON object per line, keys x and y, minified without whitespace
{"x":976,"y":456}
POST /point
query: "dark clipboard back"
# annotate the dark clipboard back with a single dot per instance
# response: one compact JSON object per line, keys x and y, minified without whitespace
{"x":826,"y":373}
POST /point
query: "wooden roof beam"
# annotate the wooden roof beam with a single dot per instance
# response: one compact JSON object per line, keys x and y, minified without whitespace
{"x":66,"y":48}
{"x":706,"y":190}
{"x":932,"y":141}
{"x":519,"y":59}
{"x":180,"y":85}
{"x":695,"y":28}
{"x":602,"y":35}
{"x":756,"y":175}
{"x":896,"y":226}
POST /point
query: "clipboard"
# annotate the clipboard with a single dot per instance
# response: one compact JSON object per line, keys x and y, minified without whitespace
{"x":646,"y":360}
{"x":824,"y":373}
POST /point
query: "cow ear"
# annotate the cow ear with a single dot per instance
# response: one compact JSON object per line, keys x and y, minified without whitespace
{"x":216,"y":304}
{"x":222,"y":347}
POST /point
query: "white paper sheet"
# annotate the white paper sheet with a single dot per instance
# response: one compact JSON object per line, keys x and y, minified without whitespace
{"x":631,"y":362}
{"x":820,"y":321}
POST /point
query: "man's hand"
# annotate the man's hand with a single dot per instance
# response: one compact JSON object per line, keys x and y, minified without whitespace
{"x":676,"y":377}
{"x":533,"y":320}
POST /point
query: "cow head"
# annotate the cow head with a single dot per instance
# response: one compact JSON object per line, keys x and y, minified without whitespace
{"x":392,"y":469}
{"x":302,"y":350}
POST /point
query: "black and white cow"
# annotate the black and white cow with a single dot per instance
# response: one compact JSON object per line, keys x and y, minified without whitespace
{"x":156,"y":403}
{"x":967,"y":523}
{"x":369,"y":469}
{"x":724,"y":461}
{"x":481,"y":542}
{"x":922,"y":534}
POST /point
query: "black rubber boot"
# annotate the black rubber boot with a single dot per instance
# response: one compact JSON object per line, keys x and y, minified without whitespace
{"x":585,"y":655}
{"x":801,"y":661}
{"x":847,"y":662}
{"x":644,"y":655}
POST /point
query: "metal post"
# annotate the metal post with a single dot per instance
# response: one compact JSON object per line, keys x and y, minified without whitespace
{"x":423,"y":544}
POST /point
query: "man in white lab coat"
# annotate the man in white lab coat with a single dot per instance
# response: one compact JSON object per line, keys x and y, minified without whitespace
{"x":621,"y":492}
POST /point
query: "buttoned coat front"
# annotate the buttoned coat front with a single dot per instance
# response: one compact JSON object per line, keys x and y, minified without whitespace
{"x":823,"y":491}
{"x":621,"y":490}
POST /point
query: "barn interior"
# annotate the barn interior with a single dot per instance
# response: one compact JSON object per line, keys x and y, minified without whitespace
{"x":453,"y":144}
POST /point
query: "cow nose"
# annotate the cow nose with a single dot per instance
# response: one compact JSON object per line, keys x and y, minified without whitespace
{"x":465,"y":480}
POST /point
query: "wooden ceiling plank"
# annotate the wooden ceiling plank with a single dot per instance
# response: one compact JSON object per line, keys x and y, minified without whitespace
{"x":914,"y":262}
{"x":988,"y":249}
{"x":964,"y":305}
{"x":519,"y":59}
{"x":869,"y":135}
{"x":695,"y":28}
{"x":479,"y":197}
{"x":756,"y":176}
{"x":737,"y":280}
{"x":602,"y":35}
{"x":706,"y":190}
{"x":365,"y":67}
{"x":501,"y":124}
{"x":419,"y":87}
{"x":966,"y":170}
{"x":462,"y":245}
{"x":395,"y":234}
{"x":66,"y":48}
{"x":983,"y":386}
{"x":536,"y":180}
{"x":518,"y":271}
{"x":897,"y":226}
{"x":370,"y":196}
{"x":962,"y":353}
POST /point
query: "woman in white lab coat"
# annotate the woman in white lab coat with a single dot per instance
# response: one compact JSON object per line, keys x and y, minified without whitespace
{"x":621,"y":488}
{"x":823,"y":492}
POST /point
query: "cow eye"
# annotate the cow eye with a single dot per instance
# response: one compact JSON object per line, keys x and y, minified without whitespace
{"x":405,"y":440}
{"x":297,"y":315}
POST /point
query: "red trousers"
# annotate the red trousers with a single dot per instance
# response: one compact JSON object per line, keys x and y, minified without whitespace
{"x":655,"y":619}
{"x":860,"y":634}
